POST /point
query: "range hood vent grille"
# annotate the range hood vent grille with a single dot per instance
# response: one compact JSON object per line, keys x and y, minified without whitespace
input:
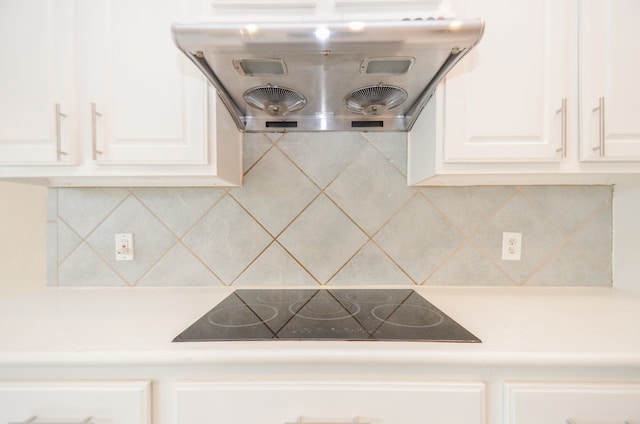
{"x":276,"y":101}
{"x":374,"y":100}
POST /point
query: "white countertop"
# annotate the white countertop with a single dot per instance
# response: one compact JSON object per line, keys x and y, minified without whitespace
{"x":518,"y":326}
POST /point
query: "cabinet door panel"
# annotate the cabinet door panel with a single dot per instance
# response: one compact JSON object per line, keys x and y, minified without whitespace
{"x":610,"y":65}
{"x":105,"y":402}
{"x":374,"y":402}
{"x":150,"y":101}
{"x":534,"y":403}
{"x":37,"y":74}
{"x":502,"y":99}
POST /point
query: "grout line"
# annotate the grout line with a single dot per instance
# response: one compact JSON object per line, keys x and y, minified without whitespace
{"x":102,"y":221}
{"x":480,"y":227}
{"x":393,"y":261}
{"x":545,"y":261}
{"x":446,"y":260}
{"x":585,"y":253}
{"x":387,"y":254}
{"x":84,"y":240}
{"x":338,"y":174}
{"x":267,"y":150}
{"x":544,"y":213}
{"x":251,"y":262}
{"x":57,"y":252}
{"x":499,"y":268}
{"x":566,"y":239}
{"x":191,"y":229}
{"x":373,"y":144}
{"x":58,"y":246}
{"x":108,"y":265}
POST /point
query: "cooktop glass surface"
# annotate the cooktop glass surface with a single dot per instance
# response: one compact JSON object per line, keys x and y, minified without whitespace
{"x":326,"y":314}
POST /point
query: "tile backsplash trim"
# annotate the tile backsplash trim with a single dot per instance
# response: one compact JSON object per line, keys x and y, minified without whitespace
{"x":332,"y":209}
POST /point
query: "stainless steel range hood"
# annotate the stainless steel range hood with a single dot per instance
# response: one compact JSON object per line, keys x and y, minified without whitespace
{"x":334,"y":76}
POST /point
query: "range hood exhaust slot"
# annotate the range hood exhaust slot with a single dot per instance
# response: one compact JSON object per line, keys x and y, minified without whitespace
{"x":367,"y":124}
{"x":282,"y":124}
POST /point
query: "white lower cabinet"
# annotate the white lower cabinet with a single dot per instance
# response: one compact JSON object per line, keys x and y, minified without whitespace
{"x":372,"y":402}
{"x":566,"y":403}
{"x":104,"y":402}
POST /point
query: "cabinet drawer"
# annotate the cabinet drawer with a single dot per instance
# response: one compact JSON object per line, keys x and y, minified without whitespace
{"x":309,"y":402}
{"x":106,"y":402}
{"x":534,"y":403}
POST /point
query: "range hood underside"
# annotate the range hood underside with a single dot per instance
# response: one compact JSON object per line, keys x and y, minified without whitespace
{"x":325,"y":71}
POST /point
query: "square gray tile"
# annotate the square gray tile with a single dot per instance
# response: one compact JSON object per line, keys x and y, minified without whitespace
{"x":322,"y":156}
{"x":227,"y":239}
{"x":275,"y":191}
{"x":179,"y":208}
{"x":323,"y":239}
{"x":540,"y":237}
{"x":419,"y":238}
{"x":151,"y":239}
{"x":370,"y":190}
{"x":275,"y":267}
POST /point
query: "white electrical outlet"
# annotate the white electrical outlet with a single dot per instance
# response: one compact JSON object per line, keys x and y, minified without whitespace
{"x":124,"y":247}
{"x":511,"y":246}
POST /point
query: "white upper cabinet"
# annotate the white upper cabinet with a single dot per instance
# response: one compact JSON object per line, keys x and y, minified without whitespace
{"x":100,"y":86}
{"x":141,"y":99}
{"x":37,"y":96}
{"x":312,"y":10}
{"x":549,"y":96}
{"x":506,"y":100}
{"x":609,"y":88}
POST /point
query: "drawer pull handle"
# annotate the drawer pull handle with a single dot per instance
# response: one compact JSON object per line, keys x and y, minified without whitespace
{"x":302,"y":420}
{"x":572,"y":421}
{"x":34,"y":420}
{"x":59,"y":116}
{"x":94,"y":131}
{"x":563,"y":117}
{"x":600,"y":110}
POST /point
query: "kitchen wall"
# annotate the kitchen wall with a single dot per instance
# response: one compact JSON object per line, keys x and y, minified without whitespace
{"x":330,"y":208}
{"x":23,"y":229}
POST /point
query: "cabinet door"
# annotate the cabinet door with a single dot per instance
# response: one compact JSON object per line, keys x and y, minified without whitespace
{"x":141,"y":100}
{"x":504,"y":100}
{"x":71,"y":402}
{"x":287,"y":10}
{"x":259,"y":10}
{"x":37,"y":94}
{"x":609,"y":70}
{"x":371,"y":402}
{"x":534,"y":403}
{"x":398,"y":9}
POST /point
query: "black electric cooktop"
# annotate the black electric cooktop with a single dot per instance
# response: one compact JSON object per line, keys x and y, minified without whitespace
{"x":326,"y":314}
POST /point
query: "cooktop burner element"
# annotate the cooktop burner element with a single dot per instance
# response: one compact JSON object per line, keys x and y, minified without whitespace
{"x":326,"y":314}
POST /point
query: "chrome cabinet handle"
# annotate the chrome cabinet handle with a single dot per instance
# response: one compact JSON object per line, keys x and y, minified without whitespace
{"x":59,"y":116}
{"x":94,"y":132}
{"x":302,"y":420}
{"x":34,"y":420}
{"x":600,"y":109}
{"x":572,"y":421}
{"x":563,"y":116}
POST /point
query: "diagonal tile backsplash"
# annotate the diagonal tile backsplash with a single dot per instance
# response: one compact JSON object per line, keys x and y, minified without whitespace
{"x":330,"y":208}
